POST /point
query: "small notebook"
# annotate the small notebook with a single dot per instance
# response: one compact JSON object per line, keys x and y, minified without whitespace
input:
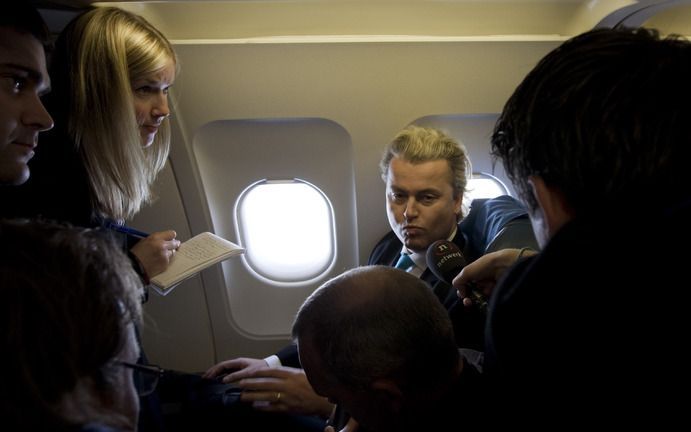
{"x":193,"y":256}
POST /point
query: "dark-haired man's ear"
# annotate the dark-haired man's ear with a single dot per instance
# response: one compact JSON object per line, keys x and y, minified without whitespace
{"x":555,"y":211}
{"x":388,"y":395}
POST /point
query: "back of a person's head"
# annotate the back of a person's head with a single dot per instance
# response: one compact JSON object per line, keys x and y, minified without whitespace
{"x":417,"y":144}
{"x":68,"y":295}
{"x":380,"y":322}
{"x":603,"y":118}
{"x":23,"y":17}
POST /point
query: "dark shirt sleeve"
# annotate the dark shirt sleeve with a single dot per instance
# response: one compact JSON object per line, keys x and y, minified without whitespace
{"x":496,"y":223}
{"x":289,"y":356}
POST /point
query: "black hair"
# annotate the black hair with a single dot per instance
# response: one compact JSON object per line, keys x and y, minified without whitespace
{"x":604,"y":118}
{"x":23,"y":17}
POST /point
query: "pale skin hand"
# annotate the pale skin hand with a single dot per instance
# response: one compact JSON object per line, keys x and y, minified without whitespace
{"x":484,"y":273}
{"x":351,"y":426}
{"x":262,"y":383}
{"x":243,"y":367}
{"x":297,"y":395}
{"x":154,"y":252}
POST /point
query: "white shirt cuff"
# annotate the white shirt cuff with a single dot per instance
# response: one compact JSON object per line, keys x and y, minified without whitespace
{"x":273,"y":361}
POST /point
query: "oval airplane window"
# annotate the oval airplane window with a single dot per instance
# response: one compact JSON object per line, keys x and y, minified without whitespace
{"x":287,"y":229}
{"x":483,"y":185}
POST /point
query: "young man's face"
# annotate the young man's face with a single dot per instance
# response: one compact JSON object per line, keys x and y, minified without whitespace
{"x":420,"y":202}
{"x":23,"y":79}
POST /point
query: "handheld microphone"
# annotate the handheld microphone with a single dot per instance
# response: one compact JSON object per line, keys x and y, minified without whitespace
{"x":446,"y":261}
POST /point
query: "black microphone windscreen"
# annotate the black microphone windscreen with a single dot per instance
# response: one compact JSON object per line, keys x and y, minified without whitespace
{"x":445,"y":260}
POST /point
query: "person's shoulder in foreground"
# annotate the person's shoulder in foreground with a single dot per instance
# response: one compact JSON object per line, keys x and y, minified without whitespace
{"x":592,"y":140}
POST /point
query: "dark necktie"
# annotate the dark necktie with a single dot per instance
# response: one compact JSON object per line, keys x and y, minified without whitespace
{"x":404,"y":262}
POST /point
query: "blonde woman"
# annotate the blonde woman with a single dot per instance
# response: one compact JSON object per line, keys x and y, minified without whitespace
{"x":111,"y":72}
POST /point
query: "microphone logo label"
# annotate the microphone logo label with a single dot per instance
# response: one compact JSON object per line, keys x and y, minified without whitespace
{"x":441,"y":248}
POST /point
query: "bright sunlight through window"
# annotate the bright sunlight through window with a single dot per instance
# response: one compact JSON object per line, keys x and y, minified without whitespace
{"x":287,"y":229}
{"x":483,"y":185}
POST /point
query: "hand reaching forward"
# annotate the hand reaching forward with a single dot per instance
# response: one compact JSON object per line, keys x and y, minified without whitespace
{"x":483,"y":274}
{"x":235,"y":369}
{"x":283,"y":389}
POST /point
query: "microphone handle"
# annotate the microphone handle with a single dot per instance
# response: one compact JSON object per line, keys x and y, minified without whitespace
{"x":476,"y":296}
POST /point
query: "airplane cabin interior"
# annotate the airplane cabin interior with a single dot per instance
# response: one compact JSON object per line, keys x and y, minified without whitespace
{"x":280,"y":112}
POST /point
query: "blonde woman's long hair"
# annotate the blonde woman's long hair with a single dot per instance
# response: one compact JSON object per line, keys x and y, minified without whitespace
{"x":110,"y":49}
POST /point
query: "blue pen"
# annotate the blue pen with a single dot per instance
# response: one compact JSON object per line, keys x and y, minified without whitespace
{"x":128,"y":230}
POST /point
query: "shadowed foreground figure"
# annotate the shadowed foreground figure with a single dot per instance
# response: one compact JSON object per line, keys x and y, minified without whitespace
{"x":70,"y":301}
{"x":392,"y":365}
{"x":592,"y":330}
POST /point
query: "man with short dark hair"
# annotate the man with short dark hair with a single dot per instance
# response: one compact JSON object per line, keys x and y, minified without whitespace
{"x":591,"y":330}
{"x":23,"y":80}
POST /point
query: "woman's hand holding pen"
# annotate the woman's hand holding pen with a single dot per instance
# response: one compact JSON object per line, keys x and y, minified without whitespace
{"x":155,"y":251}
